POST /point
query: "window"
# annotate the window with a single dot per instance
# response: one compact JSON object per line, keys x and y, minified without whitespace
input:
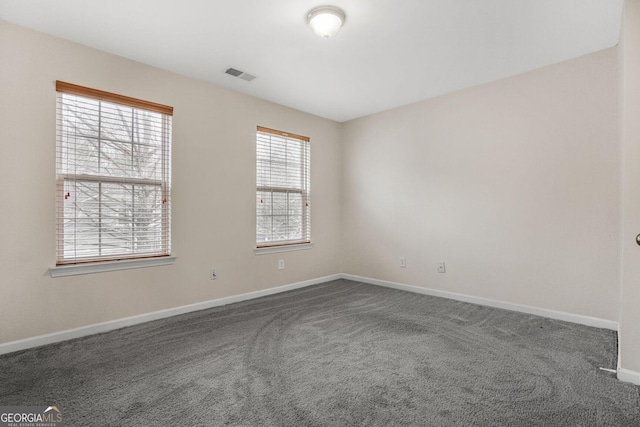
{"x":283,"y":210}
{"x":113,"y":172}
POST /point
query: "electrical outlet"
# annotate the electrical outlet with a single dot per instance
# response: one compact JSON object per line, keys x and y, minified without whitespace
{"x":441,"y":267}
{"x":280,"y":264}
{"x":213,"y":274}
{"x":403,"y":262}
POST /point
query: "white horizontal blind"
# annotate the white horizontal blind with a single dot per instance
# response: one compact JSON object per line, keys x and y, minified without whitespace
{"x":113,"y":169}
{"x":283,"y":211}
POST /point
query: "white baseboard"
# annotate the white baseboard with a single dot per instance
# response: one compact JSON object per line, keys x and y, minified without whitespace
{"x":629,"y":376}
{"x":37,"y":341}
{"x":96,"y":328}
{"x":552,"y":314}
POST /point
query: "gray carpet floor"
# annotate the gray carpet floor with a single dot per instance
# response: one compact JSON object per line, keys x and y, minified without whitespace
{"x":336,"y":354}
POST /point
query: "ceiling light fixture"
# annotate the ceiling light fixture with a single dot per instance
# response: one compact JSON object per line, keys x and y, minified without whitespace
{"x":325,"y":21}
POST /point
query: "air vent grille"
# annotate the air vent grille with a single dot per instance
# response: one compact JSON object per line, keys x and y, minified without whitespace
{"x":237,"y":73}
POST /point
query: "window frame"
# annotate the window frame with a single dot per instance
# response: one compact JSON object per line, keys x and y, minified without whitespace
{"x":304,"y":191}
{"x":100,"y":262}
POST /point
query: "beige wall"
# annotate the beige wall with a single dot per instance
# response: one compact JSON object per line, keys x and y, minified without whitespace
{"x":630,"y":72}
{"x":213,"y":191}
{"x":514,"y":184}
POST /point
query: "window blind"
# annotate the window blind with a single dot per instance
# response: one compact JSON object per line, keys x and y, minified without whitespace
{"x":283,"y":199}
{"x":113,"y":176}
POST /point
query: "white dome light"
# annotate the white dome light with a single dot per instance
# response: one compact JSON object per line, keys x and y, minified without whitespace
{"x":325,"y":21}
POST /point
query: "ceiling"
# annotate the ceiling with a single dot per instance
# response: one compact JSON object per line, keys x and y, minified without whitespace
{"x":389,"y":52}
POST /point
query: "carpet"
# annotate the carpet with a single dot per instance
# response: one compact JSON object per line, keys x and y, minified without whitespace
{"x":340,"y":353}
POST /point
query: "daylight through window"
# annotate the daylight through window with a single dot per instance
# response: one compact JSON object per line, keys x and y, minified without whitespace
{"x":113,"y":172}
{"x":283,"y":209}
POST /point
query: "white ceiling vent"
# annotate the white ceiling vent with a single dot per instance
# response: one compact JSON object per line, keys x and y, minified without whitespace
{"x":237,"y":73}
